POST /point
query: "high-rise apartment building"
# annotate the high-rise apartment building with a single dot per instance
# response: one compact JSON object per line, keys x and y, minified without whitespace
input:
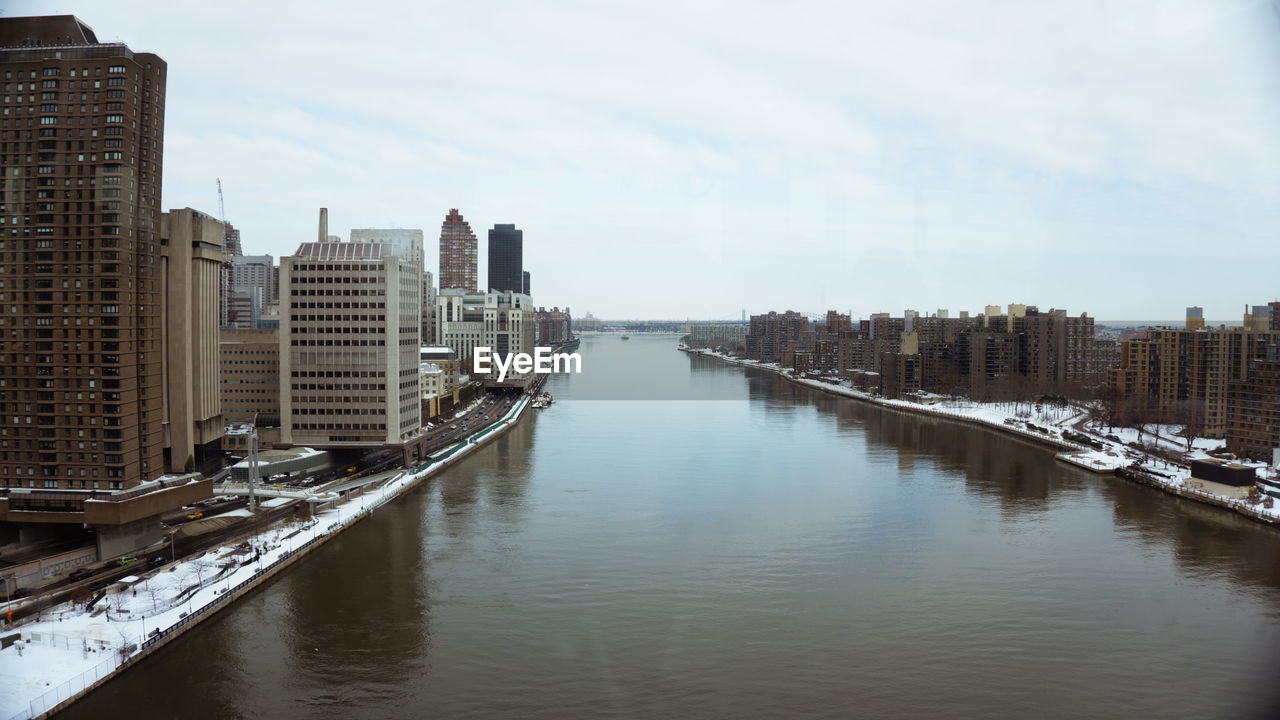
{"x":459,"y":263}
{"x":1254,"y":409}
{"x":506,"y":259}
{"x":110,"y":307}
{"x":81,"y":140}
{"x":349,"y":336}
{"x":1177,"y":371}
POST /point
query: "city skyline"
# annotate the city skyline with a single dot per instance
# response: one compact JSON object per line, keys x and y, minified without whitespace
{"x":853,"y":158}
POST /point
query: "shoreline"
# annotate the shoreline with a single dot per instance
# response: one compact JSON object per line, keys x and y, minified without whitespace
{"x":395,"y":487}
{"x":1069,"y":453}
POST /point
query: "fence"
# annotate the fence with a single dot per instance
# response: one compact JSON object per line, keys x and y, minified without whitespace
{"x":66,"y":642}
{"x":64,"y":691}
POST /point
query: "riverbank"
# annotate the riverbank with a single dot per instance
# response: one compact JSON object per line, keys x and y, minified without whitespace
{"x":73,"y":649}
{"x":1112,"y":459}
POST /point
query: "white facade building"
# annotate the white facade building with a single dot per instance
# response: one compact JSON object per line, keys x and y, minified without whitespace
{"x":504,"y":322}
{"x":350,"y":318}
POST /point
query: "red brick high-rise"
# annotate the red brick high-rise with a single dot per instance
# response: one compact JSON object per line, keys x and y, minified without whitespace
{"x":458,"y":260}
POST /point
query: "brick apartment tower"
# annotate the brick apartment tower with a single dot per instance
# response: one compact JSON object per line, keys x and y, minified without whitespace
{"x":97,"y":395}
{"x":459,"y":264}
{"x":81,"y":142}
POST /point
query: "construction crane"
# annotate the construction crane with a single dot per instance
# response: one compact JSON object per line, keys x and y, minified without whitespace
{"x":224,"y":286}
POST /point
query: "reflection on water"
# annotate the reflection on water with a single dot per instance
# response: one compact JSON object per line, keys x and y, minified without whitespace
{"x":756,"y":549}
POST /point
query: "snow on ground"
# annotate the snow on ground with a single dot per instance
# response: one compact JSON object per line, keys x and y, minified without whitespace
{"x":119,"y":624}
{"x":1124,"y":451}
{"x":27,"y":678}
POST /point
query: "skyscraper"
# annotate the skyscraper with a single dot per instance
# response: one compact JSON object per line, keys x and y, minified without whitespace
{"x":506,"y":259}
{"x":94,"y":372}
{"x":459,"y":266}
{"x":524,"y":283}
{"x":82,"y":139}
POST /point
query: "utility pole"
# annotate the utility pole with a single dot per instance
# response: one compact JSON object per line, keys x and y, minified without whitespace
{"x":253,"y":468}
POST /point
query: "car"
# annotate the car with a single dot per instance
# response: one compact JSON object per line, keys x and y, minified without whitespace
{"x":157,"y":561}
{"x":21,"y":593}
{"x":195,"y":515}
{"x":126,"y":560}
{"x":80,"y":574}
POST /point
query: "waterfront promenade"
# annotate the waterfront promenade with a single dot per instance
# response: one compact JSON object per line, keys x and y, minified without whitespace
{"x":70,"y":650}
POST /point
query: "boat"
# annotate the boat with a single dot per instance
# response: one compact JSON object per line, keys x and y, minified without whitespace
{"x":542,"y":401}
{"x":624,"y":337}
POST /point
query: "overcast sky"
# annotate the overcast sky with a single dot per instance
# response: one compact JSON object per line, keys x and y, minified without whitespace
{"x":1116,"y":157}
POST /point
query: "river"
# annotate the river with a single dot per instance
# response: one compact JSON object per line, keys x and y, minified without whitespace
{"x":676,"y":537}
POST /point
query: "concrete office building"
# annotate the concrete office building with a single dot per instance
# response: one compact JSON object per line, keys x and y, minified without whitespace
{"x":459,"y":248}
{"x":244,"y":308}
{"x":192,"y":260}
{"x":254,"y":271}
{"x":95,"y":396}
{"x":349,"y":337}
{"x":506,"y":259}
{"x":250,"y":362}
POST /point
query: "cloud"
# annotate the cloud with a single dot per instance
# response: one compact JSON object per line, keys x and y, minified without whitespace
{"x":723,"y":147}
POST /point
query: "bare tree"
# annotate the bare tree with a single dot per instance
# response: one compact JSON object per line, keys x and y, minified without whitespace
{"x":154,"y":593}
{"x":1191,"y":415}
{"x":1136,"y":415}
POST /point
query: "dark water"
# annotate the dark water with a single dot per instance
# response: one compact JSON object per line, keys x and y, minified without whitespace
{"x":781,"y":553}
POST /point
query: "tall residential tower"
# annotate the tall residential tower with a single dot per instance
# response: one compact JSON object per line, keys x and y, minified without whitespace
{"x":458,"y":260}
{"x":94,"y":396}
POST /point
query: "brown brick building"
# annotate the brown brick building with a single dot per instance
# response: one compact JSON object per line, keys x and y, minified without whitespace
{"x":554,"y":325}
{"x":94,"y":398}
{"x":459,"y":261}
{"x":1175,"y":366}
{"x":1254,"y":407}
